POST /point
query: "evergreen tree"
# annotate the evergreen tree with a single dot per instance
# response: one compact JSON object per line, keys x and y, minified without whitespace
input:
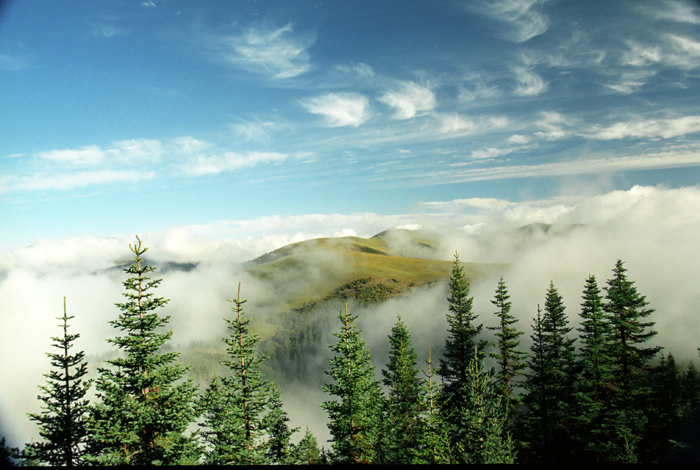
{"x":593,"y":435}
{"x":531,"y":435}
{"x":11,"y":456}
{"x":279,"y":445}
{"x":145,"y":405}
{"x":62,"y":421}
{"x":665,"y":411}
{"x":435,"y":446}
{"x":510,"y":359}
{"x":404,"y":399}
{"x":483,"y":418}
{"x":560,"y":373}
{"x":627,"y":311}
{"x":242,"y":408}
{"x":461,"y":341}
{"x":354,"y":416}
{"x":306,"y":452}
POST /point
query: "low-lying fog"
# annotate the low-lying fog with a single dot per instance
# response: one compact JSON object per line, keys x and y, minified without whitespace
{"x":654,"y":230}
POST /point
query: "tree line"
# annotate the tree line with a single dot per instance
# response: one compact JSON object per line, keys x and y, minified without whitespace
{"x":600,"y":392}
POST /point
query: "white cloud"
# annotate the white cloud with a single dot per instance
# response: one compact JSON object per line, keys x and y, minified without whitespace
{"x":360,"y":71}
{"x":629,"y":82}
{"x":411,"y":99}
{"x":674,"y":10}
{"x":455,"y":124}
{"x":340,"y":109}
{"x":253,"y":131}
{"x":136,"y":151}
{"x":189,"y":145}
{"x":523,"y":17}
{"x":85,"y":156}
{"x":229,"y":161}
{"x":518,"y":139}
{"x":586,"y":166}
{"x":131,"y":152}
{"x":489,"y":153}
{"x":452,"y":123}
{"x":638,"y":55}
{"x":529,"y":83}
{"x":648,"y":128}
{"x":277,"y":53}
{"x":554,"y":125}
{"x":67,"y":181}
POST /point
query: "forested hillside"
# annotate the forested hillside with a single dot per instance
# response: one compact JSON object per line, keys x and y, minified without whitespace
{"x":601,"y":391}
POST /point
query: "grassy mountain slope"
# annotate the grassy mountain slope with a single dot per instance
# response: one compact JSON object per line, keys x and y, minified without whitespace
{"x":323,"y":268}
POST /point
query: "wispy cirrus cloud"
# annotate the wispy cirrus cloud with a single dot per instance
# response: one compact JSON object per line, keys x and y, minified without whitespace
{"x":127,"y":161}
{"x":554,"y":125}
{"x":134,"y":151}
{"x":455,"y":124}
{"x":339,"y":109}
{"x":673,"y":10}
{"x":523,"y":18}
{"x":648,"y":128}
{"x":276,"y":53}
{"x":229,"y":161}
{"x":65,"y":181}
{"x":529,"y":83}
{"x":587,"y":166}
{"x":409,"y":100}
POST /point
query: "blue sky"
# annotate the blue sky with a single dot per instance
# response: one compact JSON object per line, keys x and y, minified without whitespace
{"x":128,"y":116}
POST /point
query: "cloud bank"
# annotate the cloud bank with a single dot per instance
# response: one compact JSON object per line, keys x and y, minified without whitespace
{"x":652,"y":229}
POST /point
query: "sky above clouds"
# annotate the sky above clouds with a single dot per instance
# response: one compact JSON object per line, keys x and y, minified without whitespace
{"x":121,"y":117}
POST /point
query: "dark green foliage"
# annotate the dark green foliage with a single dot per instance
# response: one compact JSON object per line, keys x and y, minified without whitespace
{"x":482,"y":419}
{"x":510,"y":359}
{"x":279,"y":446}
{"x":62,"y":421}
{"x":11,"y":457}
{"x":242,"y":409}
{"x":144,"y":404}
{"x":596,"y":435}
{"x":435,"y":446}
{"x":531,"y":434}
{"x":401,"y":423}
{"x":549,"y":385}
{"x":626,"y":310}
{"x":306,"y":452}
{"x":459,"y":346}
{"x":354,"y":414}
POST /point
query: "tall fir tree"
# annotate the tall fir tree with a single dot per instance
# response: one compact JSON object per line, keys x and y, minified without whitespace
{"x":404,"y":400}
{"x":531,"y":433}
{"x":627,"y":312}
{"x":594,"y":437}
{"x":482,"y":418}
{"x":62,"y":420}
{"x":354,"y":415}
{"x":237,"y":407}
{"x":462,"y":339}
{"x":510,"y":359}
{"x":560,"y":374}
{"x":435,"y":430}
{"x":145,"y":404}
